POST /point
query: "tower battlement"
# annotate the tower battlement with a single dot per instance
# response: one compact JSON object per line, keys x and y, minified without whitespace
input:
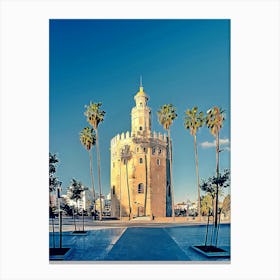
{"x":126,"y":136}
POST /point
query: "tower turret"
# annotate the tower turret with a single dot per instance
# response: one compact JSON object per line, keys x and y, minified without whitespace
{"x":141,"y":113}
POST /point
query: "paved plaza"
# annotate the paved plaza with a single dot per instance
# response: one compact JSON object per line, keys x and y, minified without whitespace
{"x":141,"y":243}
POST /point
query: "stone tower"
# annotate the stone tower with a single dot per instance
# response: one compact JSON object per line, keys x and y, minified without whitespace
{"x":140,"y":167}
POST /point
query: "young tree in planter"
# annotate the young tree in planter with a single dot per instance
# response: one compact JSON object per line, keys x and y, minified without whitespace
{"x":215,"y":185}
{"x":193,"y":121}
{"x":166,"y":116}
{"x":95,"y":116}
{"x":53,"y":184}
{"x":77,"y":190}
{"x":88,"y":139}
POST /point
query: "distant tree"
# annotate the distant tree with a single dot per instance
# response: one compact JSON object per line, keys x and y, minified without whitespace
{"x":193,"y":121}
{"x":166,"y":116}
{"x":226,"y":205}
{"x":88,"y":140}
{"x":206,"y":204}
{"x":125,"y":157}
{"x":95,"y":116}
{"x":76,"y":191}
{"x":214,"y":121}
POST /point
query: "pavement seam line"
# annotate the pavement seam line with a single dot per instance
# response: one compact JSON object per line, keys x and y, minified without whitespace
{"x":112,"y":243}
{"x":175,"y":242}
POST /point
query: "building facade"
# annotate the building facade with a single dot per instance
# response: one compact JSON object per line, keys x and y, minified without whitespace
{"x":140,"y":167}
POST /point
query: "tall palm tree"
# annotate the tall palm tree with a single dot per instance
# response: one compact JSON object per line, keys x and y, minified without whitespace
{"x":193,"y":121}
{"x":95,"y":116}
{"x":77,"y":190}
{"x":166,"y":116}
{"x":88,"y":140}
{"x":126,"y":156}
{"x":214,"y":121}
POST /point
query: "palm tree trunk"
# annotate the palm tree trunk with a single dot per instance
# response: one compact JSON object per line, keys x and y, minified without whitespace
{"x":99,"y":179}
{"x":217,"y":174}
{"x":92,"y":181}
{"x":128,"y":192}
{"x":146,"y":186}
{"x":120,"y":190}
{"x":197,"y":176}
{"x":170,"y":170}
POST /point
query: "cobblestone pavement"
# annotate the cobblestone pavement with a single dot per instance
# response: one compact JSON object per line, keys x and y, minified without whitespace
{"x":170,"y":243}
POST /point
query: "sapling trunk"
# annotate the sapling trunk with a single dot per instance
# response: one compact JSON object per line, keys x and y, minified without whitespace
{"x":60,"y":229}
{"x":74,"y":219}
{"x":206,"y":237}
{"x":53,"y":232}
{"x":219,"y":222}
{"x":83,"y":220}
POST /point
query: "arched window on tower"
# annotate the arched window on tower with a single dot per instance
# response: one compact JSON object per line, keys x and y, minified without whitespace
{"x":113,"y":190}
{"x":140,"y":128}
{"x":140,"y":160}
{"x":141,"y":188}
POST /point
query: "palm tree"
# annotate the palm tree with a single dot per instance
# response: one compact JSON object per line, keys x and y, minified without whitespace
{"x":214,"y":121}
{"x":95,"y":116}
{"x":166,"y":116}
{"x":126,"y":156}
{"x":87,"y":138}
{"x":193,"y":122}
{"x":77,"y":190}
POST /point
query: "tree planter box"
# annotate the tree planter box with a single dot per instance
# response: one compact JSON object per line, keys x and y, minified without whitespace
{"x":211,"y":251}
{"x":79,"y":232}
{"x":59,"y":253}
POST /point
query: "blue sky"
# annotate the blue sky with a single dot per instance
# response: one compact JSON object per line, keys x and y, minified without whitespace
{"x":183,"y":62}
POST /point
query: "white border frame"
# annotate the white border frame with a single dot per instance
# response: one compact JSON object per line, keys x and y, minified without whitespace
{"x":254,"y":135}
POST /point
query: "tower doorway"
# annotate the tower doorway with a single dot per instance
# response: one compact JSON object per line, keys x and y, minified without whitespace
{"x":140,"y":211}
